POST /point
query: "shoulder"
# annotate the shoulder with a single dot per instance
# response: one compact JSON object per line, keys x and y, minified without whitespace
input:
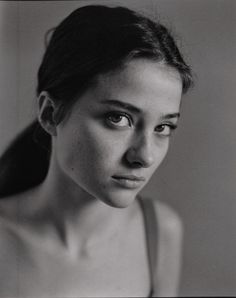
{"x":10,"y":225}
{"x":169,"y":229}
{"x":17,"y":207}
{"x":9,"y":259}
{"x":8,"y":235}
{"x":169,"y":249}
{"x":168,"y":219}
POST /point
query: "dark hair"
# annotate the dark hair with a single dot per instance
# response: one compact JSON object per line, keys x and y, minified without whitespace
{"x":92,"y":40}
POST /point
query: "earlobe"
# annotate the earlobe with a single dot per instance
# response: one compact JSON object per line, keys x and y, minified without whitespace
{"x":46,"y":112}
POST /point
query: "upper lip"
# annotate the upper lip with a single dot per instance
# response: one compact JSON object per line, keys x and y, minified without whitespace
{"x":130,"y":177}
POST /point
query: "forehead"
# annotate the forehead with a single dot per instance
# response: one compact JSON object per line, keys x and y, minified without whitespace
{"x":149,"y":74}
{"x":150,"y":86}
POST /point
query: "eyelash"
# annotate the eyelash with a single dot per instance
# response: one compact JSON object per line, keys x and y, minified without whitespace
{"x":109,"y":116}
{"x":171,"y":126}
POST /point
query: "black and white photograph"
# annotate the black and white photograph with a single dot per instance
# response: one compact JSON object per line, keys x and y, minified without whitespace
{"x":117,"y":148}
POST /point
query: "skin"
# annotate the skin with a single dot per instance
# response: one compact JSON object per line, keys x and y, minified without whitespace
{"x":66,"y":227}
{"x":99,"y":140}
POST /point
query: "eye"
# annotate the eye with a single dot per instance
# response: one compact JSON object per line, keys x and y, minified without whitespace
{"x":165,"y":129}
{"x":119,"y":119}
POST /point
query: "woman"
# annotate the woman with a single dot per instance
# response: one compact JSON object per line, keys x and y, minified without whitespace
{"x":72,"y":223}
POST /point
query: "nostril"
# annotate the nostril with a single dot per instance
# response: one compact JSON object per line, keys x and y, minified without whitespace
{"x":137,"y":164}
{"x":139,"y":158}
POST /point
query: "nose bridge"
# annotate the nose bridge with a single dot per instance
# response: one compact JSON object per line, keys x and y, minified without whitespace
{"x":141,"y":151}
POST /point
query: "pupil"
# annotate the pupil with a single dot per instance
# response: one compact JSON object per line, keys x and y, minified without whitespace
{"x":116,"y":118}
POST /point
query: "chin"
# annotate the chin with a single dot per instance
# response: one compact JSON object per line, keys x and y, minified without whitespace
{"x":120,"y":199}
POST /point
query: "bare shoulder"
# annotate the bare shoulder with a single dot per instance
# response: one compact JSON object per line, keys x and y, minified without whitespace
{"x":168,"y":219}
{"x":170,"y":235}
{"x":9,"y":226}
{"x":18,"y":206}
{"x":8,"y":229}
{"x":9,"y":206}
{"x":8,"y":260}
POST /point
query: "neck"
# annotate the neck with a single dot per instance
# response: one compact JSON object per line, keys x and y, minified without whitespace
{"x":74,"y":213}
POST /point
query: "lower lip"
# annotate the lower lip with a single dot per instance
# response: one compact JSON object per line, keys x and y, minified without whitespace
{"x":128,"y":183}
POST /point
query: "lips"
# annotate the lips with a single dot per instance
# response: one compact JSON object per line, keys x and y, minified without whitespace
{"x":129,"y":177}
{"x":129,"y":181}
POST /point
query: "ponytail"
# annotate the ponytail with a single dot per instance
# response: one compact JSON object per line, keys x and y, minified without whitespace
{"x":25,"y":162}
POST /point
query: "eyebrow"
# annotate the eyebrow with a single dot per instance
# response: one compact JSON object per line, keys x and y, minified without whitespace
{"x":132,"y":108}
{"x":121,"y":104}
{"x":170,"y":116}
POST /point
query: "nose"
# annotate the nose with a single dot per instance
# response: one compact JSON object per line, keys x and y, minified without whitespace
{"x":140,"y":153}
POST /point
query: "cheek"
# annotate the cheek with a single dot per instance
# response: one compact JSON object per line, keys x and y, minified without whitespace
{"x":93,"y":153}
{"x":161,"y":152}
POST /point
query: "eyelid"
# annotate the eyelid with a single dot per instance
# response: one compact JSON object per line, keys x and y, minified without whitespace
{"x":120,"y":113}
{"x":171,"y":126}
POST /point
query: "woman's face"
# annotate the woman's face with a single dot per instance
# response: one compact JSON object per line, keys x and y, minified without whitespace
{"x":118,"y":131}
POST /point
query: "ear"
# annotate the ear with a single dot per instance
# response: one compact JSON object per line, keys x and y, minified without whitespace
{"x":46,"y":112}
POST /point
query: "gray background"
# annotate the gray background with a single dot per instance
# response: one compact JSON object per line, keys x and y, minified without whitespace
{"x":198,"y":176}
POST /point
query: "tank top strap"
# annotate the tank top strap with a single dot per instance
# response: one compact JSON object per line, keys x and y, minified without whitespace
{"x":152,"y":235}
